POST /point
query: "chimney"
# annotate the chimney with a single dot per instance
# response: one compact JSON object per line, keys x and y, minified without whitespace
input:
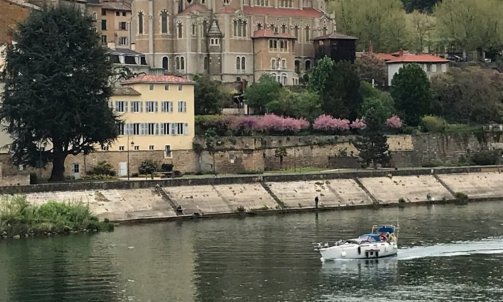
{"x":133,"y":46}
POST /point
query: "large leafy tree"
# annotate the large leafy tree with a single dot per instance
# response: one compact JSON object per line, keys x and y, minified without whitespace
{"x":381,"y":23}
{"x":56,"y":90}
{"x":410,"y":90}
{"x":420,"y":5}
{"x":371,"y":69}
{"x":470,"y":95}
{"x":305,"y":104}
{"x":320,"y":74}
{"x":259,"y":94}
{"x":209,"y":96}
{"x":341,"y":96}
{"x":372,"y":144}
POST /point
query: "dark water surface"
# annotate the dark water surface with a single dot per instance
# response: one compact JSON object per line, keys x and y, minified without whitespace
{"x":447,"y":253}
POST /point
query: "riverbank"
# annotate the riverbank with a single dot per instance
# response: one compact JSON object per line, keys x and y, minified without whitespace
{"x":19,"y":218}
{"x":173,"y":199}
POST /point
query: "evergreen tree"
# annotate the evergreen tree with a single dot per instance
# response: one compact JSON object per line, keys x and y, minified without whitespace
{"x":410,"y":89}
{"x":56,"y":90}
{"x":320,"y":74}
{"x":372,"y":145}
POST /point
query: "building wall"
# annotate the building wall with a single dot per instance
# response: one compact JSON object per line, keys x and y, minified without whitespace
{"x":431,"y":69}
{"x":113,"y":18}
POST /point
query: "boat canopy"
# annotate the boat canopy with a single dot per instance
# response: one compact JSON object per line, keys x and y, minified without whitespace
{"x":369,"y":237}
{"x":386,"y":229}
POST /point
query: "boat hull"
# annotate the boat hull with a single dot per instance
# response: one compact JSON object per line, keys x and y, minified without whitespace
{"x":359,"y":251}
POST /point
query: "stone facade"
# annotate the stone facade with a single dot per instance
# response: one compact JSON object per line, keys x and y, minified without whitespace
{"x":231,"y":40}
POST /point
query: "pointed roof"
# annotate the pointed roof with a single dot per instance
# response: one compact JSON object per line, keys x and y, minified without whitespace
{"x":335,"y":36}
{"x":214,"y":30}
{"x":194,"y":7}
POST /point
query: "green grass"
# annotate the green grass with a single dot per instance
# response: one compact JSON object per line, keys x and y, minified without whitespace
{"x":20,"y":218}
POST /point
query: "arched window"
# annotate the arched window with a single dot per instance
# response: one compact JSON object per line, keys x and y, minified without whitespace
{"x":243,"y":63}
{"x":164,"y":22}
{"x":308,"y":65}
{"x":177,"y":63}
{"x":238,"y":63}
{"x":297,"y":66}
{"x":283,"y":63}
{"x":296,"y":32}
{"x":259,"y":26}
{"x":140,"y":22}
{"x":283,"y":78}
{"x":308,"y":33}
{"x":283,"y":29}
{"x":179,"y":29}
{"x":182,"y":63}
{"x":165,"y":63}
{"x":205,"y":27}
{"x":273,"y":64}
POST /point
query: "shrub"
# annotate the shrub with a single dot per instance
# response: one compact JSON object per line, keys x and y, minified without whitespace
{"x":328,"y":123}
{"x":147,"y":167}
{"x":431,"y":123}
{"x":394,"y":122}
{"x":461,"y":198}
{"x":167,"y":167}
{"x":358,"y":124}
{"x":102,"y":168}
{"x":486,"y":157}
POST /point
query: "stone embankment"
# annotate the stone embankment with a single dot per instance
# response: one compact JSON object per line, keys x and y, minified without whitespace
{"x":263,"y":194}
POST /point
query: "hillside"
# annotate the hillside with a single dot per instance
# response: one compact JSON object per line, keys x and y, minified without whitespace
{"x":10,"y":15}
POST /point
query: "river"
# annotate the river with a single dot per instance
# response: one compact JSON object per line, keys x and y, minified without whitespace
{"x":447,"y":253}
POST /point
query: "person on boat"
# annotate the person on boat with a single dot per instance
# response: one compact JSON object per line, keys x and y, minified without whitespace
{"x":383,"y":237}
{"x":392,"y":237}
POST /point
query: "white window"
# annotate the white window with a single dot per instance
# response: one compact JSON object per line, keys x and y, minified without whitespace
{"x":121,"y":148}
{"x":167,"y":106}
{"x":164,"y":22}
{"x":134,"y":129}
{"x":136,"y":148}
{"x":151,"y":128}
{"x":164,"y":128}
{"x":136,"y":106}
{"x":151,"y":87}
{"x":151,"y":106}
{"x":120,"y":106}
{"x":151,"y":147}
{"x":121,"y":129}
{"x":214,"y":41}
{"x":166,"y":87}
{"x":180,"y":87}
{"x":182,"y":106}
{"x":123,"y":41}
{"x":179,"y":63}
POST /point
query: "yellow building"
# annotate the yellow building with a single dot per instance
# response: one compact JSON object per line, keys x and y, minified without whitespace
{"x":158,"y":114}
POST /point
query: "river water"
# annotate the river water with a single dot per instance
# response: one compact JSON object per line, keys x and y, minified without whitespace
{"x":447,"y":253}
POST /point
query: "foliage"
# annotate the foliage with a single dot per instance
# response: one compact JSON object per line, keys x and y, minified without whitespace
{"x":320,"y":74}
{"x":209,"y":96}
{"x":271,"y":123}
{"x":394,"y":122}
{"x":341,"y":96}
{"x":18,"y":217}
{"x":56,"y":89}
{"x":422,"y":30}
{"x":470,"y":95}
{"x":370,"y":67}
{"x":470,"y":25}
{"x":485,"y":157}
{"x":148,"y":167}
{"x":328,"y":123}
{"x":381,"y":23}
{"x":121,"y":73}
{"x":372,"y":145}
{"x":102,"y":168}
{"x":411,"y":91}
{"x":299,"y":105}
{"x":267,"y":89}
{"x":431,"y":123}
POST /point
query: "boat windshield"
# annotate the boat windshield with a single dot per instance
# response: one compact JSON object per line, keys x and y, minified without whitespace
{"x":369,"y":237}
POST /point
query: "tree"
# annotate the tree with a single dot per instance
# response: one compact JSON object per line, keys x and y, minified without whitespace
{"x":371,"y":69}
{"x":320,"y":73}
{"x":372,"y":145}
{"x":56,"y":90}
{"x":470,"y":25}
{"x":267,"y":89}
{"x":381,"y":23}
{"x":470,"y":95}
{"x":422,"y":27}
{"x":341,"y":97}
{"x":209,"y":96}
{"x":299,"y":105}
{"x":380,"y":101}
{"x":410,"y":89}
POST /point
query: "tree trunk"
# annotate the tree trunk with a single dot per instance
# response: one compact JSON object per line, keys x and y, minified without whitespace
{"x":58,"y":167}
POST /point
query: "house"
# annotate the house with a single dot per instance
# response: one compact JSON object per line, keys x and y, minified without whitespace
{"x":231,"y":40}
{"x":158,"y":115}
{"x":112,"y":20}
{"x":429,"y":63}
{"x":336,"y":46}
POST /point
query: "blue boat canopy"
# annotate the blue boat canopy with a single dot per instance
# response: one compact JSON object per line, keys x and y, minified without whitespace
{"x":386,"y":229}
{"x":369,"y":237}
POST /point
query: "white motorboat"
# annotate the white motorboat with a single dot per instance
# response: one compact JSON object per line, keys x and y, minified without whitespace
{"x":382,"y":241}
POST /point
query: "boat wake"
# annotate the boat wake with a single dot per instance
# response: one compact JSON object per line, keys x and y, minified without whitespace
{"x":459,"y":248}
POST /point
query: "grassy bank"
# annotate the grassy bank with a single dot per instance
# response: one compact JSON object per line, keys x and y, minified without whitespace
{"x":18,"y":218}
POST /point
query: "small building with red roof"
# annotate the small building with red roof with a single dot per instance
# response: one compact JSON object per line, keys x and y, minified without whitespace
{"x":431,"y":64}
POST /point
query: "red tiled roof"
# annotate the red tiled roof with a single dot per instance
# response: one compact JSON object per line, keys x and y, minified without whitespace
{"x":158,"y":79}
{"x":195,"y":7}
{"x":282,"y":12}
{"x":268,"y":33}
{"x":410,"y":58}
